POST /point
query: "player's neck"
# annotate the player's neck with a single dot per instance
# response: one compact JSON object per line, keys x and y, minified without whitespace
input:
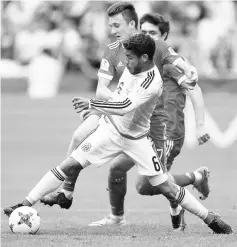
{"x":147,"y":67}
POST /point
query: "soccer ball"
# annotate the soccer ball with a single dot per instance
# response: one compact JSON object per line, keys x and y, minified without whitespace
{"x":24,"y":220}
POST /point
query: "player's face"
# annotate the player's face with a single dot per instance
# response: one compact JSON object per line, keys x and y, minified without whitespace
{"x":120,"y":28}
{"x":132,"y":62}
{"x":152,"y":30}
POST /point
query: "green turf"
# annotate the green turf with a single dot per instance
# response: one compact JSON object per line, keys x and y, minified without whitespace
{"x":35,"y":135}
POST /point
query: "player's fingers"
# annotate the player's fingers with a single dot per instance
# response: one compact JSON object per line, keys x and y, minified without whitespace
{"x":203,"y":139}
{"x":200,"y":142}
{"x":74,"y":99}
{"x":208,"y":136}
{"x":79,"y":109}
{"x":78,"y":103}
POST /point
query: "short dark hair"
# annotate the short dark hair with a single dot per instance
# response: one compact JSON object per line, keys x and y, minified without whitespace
{"x":141,"y":44}
{"x":127,"y":10}
{"x":157,"y":20}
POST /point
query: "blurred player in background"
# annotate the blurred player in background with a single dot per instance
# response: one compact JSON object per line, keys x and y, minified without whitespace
{"x":123,"y":21}
{"x":124,"y":129}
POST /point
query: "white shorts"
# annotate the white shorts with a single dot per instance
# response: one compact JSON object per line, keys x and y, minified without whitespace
{"x":86,"y":128}
{"x":106,"y":143}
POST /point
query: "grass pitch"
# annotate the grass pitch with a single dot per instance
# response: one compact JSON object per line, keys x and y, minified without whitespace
{"x":35,"y":136}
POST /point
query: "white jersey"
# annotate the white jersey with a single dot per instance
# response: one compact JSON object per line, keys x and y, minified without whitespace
{"x":133,"y":102}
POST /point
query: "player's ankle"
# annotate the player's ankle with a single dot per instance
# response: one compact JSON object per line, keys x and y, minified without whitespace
{"x":191,"y":176}
{"x":209,"y":218}
{"x":174,"y":211}
{"x":117,"y":217}
{"x":68,"y":194}
{"x":198,"y":177}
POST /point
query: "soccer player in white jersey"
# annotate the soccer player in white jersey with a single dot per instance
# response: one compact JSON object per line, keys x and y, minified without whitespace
{"x":123,"y":21}
{"x":124,"y":129}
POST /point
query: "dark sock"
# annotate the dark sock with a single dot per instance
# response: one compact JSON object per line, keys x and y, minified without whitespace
{"x":209,"y":218}
{"x":184,"y":179}
{"x":69,"y":183}
{"x":117,"y":191}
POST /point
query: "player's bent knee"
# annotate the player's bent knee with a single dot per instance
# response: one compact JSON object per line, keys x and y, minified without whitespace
{"x":116,"y":172}
{"x":144,"y":187}
{"x":70,"y":166}
{"x":168,"y":189}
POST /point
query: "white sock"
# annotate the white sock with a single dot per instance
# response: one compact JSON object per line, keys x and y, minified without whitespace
{"x":189,"y":202}
{"x":68,"y":194}
{"x":175,"y":211}
{"x":50,"y":182}
{"x":198,"y":176}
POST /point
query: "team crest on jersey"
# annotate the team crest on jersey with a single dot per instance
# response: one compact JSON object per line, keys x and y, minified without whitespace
{"x":172,"y":52}
{"x":104,"y":65}
{"x":86,"y":147}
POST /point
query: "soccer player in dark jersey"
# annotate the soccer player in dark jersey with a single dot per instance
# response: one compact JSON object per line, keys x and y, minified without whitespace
{"x":123,"y":21}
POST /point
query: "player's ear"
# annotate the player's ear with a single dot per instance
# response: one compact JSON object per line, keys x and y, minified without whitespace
{"x":144,"y":58}
{"x":164,"y":36}
{"x":131,"y":24}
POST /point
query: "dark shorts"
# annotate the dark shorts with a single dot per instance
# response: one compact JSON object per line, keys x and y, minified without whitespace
{"x":173,"y":149}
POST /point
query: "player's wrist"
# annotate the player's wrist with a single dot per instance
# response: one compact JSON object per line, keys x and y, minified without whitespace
{"x":89,"y":106}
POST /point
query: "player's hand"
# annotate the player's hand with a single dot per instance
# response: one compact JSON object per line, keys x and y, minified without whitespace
{"x":80,"y":104}
{"x":202,"y":135}
{"x":192,"y":74}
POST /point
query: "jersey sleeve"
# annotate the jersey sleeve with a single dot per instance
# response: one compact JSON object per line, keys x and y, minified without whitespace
{"x":124,"y":104}
{"x":165,"y":54}
{"x":106,"y":69}
{"x":173,"y":72}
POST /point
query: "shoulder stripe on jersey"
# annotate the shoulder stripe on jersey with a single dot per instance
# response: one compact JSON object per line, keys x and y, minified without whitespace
{"x":149,"y":79}
{"x":114,"y":105}
{"x":114,"y":45}
{"x":116,"y":41}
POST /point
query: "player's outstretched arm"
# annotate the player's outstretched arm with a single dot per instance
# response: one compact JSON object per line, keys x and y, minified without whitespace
{"x":119,"y":107}
{"x":197,"y":100}
{"x":196,"y":97}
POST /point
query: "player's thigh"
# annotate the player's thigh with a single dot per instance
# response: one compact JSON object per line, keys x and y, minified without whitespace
{"x":99,"y":147}
{"x":121,"y":163}
{"x":86,"y":128}
{"x":174,"y":151}
{"x":143,"y":152}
